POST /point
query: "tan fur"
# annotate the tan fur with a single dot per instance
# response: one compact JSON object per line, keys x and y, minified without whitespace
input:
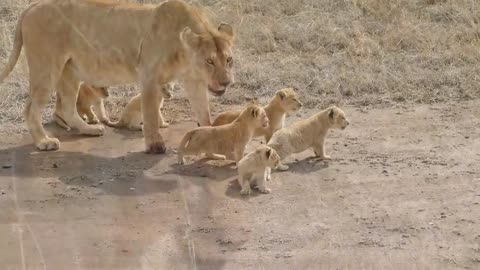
{"x":131,"y":117}
{"x":285,"y":101}
{"x":108,"y":43}
{"x":90,"y":105}
{"x":224,"y":140}
{"x":308,"y":133}
{"x":254,"y":168}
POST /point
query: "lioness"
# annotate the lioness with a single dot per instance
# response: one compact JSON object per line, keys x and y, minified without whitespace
{"x":219,"y":142}
{"x":308,"y":133}
{"x":108,"y":43}
{"x":254,"y":168}
{"x":285,"y":101}
{"x":132,"y":114}
{"x":89,"y":105}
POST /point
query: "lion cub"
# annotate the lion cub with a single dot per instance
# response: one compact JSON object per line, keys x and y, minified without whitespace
{"x":219,"y":142}
{"x":89,"y":105}
{"x":308,"y":133}
{"x":285,"y":101}
{"x":254,"y":168}
{"x":132,"y":114}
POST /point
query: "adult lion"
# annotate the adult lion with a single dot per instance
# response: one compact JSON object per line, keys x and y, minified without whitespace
{"x":106,"y":43}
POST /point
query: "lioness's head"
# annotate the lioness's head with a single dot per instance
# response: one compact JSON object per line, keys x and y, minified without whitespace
{"x":212,"y":56}
{"x":257,"y":114}
{"x":288,"y":100}
{"x":337,"y":118}
{"x":269,"y":156}
{"x":166,"y":90}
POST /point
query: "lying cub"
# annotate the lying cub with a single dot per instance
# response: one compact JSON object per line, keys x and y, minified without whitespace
{"x":219,"y":142}
{"x":88,"y":97}
{"x":253,"y":168}
{"x":285,"y":101}
{"x":132,"y":114}
{"x":308,"y":133}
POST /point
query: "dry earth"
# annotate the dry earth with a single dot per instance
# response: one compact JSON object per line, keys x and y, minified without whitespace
{"x":401,"y":192}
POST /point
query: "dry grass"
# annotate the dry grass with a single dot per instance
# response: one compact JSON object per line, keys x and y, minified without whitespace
{"x":360,"y":52}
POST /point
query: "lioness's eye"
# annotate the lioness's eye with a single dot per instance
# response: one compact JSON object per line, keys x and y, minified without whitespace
{"x":209,"y":61}
{"x":229,"y":59}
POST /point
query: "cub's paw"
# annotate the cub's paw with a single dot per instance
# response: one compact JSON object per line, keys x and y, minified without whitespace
{"x":265,"y":190}
{"x":94,"y":130}
{"x":48,"y":144}
{"x":282,"y":167}
{"x":245,"y":191}
{"x":164,"y":125}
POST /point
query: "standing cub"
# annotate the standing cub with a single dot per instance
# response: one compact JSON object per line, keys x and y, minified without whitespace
{"x":88,"y":97}
{"x":253,"y":168}
{"x":308,"y":133}
{"x":285,"y":101}
{"x":132,"y":113}
{"x":226,"y":139}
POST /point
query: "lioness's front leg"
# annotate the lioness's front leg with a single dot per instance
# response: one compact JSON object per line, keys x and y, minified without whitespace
{"x":150,"y":107}
{"x":198,"y":97}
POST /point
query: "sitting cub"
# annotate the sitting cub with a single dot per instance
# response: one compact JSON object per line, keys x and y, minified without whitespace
{"x":308,"y":133}
{"x":132,"y":117}
{"x":253,"y":168}
{"x":225,"y":139}
{"x":88,"y":97}
{"x":285,"y":101}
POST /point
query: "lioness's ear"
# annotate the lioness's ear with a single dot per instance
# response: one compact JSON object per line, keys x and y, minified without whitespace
{"x":268,"y":153}
{"x":255,"y":112}
{"x":189,"y":38}
{"x":331,"y":113}
{"x":281,"y":94}
{"x":226,"y":29}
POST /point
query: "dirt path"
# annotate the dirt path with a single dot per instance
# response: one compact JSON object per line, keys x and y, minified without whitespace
{"x":402,"y":192}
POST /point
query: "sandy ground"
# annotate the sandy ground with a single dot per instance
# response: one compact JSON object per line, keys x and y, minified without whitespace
{"x":401,"y":192}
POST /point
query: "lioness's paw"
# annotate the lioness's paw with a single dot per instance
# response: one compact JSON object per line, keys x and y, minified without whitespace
{"x":216,"y":156}
{"x":48,"y":144}
{"x":94,"y":130}
{"x":265,"y":190}
{"x":326,"y":157}
{"x":164,"y":125}
{"x":156,"y":148}
{"x":245,"y":191}
{"x":181,"y":160}
{"x":94,"y":121}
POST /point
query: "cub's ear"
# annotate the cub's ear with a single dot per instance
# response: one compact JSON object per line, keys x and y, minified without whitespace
{"x":188,"y":38}
{"x":255,"y":112}
{"x":226,"y":29}
{"x":268,"y":153}
{"x":281,"y":94}
{"x":331,"y":113}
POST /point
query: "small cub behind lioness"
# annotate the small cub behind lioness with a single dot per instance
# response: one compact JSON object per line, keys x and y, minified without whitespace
{"x":285,"y":101}
{"x":89,"y":105}
{"x":219,"y":142}
{"x":254,"y":168}
{"x":132,"y":117}
{"x":308,"y":133}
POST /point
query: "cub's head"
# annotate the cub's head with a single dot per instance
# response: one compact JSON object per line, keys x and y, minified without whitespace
{"x":337,"y":118}
{"x":269,"y":156}
{"x":166,"y":90}
{"x":212,"y":56}
{"x":100,"y":92}
{"x":256,"y":114}
{"x":288,"y":100}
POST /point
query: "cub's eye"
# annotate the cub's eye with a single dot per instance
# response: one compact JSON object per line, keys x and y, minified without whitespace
{"x":229,"y":59}
{"x":210,"y":61}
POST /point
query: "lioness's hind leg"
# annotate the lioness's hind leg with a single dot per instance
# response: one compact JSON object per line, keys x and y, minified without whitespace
{"x":68,"y":90}
{"x":41,"y":88}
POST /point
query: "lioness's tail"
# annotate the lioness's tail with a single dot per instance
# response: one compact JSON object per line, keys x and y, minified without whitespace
{"x":17,"y":46}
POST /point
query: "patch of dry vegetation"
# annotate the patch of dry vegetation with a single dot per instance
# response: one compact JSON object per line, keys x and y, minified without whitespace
{"x":360,"y":52}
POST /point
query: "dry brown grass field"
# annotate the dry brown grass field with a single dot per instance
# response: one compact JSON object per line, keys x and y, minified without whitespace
{"x":359,"y":52}
{"x":402,"y":190}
